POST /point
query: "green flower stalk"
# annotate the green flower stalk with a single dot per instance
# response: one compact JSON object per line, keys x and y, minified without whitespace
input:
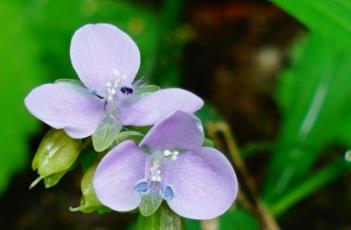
{"x":56,"y":155}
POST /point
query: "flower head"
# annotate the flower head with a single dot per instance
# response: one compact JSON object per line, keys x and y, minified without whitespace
{"x":106,"y":61}
{"x":169,"y":164}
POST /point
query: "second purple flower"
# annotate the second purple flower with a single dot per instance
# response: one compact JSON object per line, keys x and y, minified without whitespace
{"x":169,"y":164}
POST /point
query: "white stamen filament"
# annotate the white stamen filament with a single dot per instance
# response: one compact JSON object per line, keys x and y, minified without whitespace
{"x":173,"y":154}
{"x":116,"y":72}
{"x":112,"y":86}
{"x":155,"y":169}
{"x":167,"y":153}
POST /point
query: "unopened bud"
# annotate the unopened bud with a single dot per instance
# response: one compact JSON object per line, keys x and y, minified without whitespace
{"x":56,"y":154}
{"x":89,"y":202}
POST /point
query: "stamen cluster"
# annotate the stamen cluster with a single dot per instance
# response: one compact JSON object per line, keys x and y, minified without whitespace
{"x":112,"y":86}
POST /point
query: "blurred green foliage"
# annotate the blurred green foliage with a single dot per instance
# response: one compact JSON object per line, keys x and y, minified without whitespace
{"x":54,"y":23}
{"x":19,"y":72}
{"x":239,"y":218}
{"x":315,"y":99}
{"x":330,"y":18}
{"x":314,"y":94}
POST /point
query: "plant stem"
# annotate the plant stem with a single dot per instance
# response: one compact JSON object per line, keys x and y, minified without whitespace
{"x":248,"y":188}
{"x":169,"y":220}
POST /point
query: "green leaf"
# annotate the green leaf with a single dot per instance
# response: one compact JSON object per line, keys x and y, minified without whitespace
{"x":330,"y":18}
{"x":312,"y":184}
{"x":316,"y":100}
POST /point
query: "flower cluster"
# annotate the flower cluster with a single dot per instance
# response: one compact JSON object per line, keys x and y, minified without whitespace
{"x":168,"y":164}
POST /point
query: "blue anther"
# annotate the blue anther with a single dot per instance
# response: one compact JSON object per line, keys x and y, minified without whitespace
{"x":142,"y":187}
{"x":168,"y":193}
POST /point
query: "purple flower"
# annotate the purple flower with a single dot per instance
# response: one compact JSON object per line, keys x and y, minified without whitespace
{"x":106,"y":61}
{"x":169,"y":164}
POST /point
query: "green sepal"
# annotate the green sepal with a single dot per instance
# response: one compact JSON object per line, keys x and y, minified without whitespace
{"x":106,"y":134}
{"x":53,"y":179}
{"x":129,"y":135}
{"x":150,"y":203}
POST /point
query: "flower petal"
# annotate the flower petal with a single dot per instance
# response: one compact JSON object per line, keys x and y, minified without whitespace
{"x":155,"y":106}
{"x":181,"y":131}
{"x":98,"y":51}
{"x":66,"y":106}
{"x":117,"y":175}
{"x":203,"y":182}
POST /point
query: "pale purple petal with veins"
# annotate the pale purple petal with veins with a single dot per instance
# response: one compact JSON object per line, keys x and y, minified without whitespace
{"x":156,"y":106}
{"x":179,"y":131}
{"x":98,"y":51}
{"x":66,"y":106}
{"x":203,"y":182}
{"x":117,"y":175}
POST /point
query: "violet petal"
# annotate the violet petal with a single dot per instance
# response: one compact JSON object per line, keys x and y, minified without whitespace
{"x":99,"y":51}
{"x":66,"y":106}
{"x":203,"y":182}
{"x":116,"y":177}
{"x":181,"y":130}
{"x":155,"y":106}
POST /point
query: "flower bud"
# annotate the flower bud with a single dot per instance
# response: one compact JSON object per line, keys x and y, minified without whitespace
{"x":89,"y":202}
{"x":56,"y":154}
